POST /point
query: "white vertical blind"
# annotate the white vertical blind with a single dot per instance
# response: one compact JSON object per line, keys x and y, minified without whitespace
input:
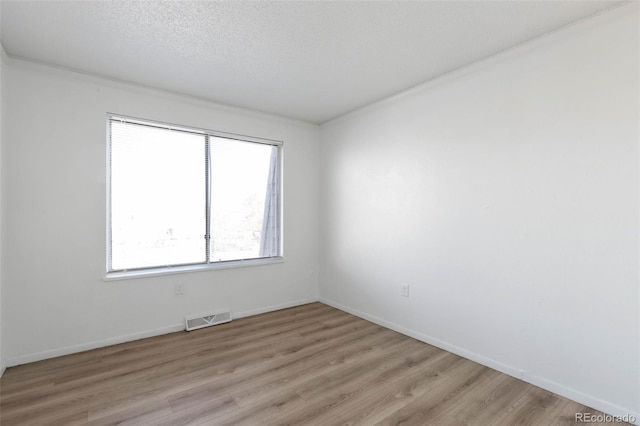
{"x":157,"y":203}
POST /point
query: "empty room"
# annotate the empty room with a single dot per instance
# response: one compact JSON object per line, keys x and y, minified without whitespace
{"x":319,"y":212}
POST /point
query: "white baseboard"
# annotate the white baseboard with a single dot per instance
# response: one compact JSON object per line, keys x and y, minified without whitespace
{"x":3,"y":367}
{"x":504,"y":368}
{"x":584,"y":399}
{"x":574,"y":395}
{"x":272,"y":308}
{"x":53,"y":353}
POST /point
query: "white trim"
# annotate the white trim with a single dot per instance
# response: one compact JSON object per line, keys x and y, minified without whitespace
{"x":53,"y":353}
{"x":207,"y":264}
{"x":574,"y":395}
{"x":4,"y":58}
{"x":489,"y":362}
{"x":273,"y":308}
{"x":193,"y":130}
{"x":171,"y":270}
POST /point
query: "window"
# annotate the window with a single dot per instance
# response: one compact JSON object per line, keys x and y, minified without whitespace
{"x":181,"y":198}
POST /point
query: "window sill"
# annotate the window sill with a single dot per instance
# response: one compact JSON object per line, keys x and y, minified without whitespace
{"x":170,"y":270}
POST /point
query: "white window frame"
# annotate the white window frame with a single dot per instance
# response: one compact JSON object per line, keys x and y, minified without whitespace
{"x":209,"y":265}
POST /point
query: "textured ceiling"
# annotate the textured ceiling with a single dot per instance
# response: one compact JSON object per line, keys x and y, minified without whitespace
{"x":308,"y":60}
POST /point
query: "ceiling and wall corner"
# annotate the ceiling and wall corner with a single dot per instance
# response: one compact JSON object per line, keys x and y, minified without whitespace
{"x":312,"y":61}
{"x":507,"y":196}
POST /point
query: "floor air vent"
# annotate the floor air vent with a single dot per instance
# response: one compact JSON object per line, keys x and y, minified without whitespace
{"x":195,"y":322}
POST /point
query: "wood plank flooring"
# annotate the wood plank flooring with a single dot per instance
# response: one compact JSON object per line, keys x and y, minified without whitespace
{"x":309,"y":365}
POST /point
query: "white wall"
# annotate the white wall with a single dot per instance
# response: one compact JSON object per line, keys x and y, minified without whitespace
{"x":2,"y":54}
{"x":507,"y":195}
{"x":54,"y":160}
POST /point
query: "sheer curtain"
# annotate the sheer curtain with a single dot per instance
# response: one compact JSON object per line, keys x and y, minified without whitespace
{"x":270,"y":239}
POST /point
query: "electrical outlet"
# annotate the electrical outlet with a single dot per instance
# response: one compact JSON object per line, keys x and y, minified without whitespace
{"x":179,"y":289}
{"x":404,"y":290}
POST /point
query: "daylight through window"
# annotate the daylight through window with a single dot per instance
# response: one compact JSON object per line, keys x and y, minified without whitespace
{"x":183,"y":196}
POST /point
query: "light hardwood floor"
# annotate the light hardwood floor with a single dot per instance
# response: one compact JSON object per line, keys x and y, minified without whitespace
{"x":309,"y":365}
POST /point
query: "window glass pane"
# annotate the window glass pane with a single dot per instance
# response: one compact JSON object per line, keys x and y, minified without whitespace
{"x":157,"y":197}
{"x":239,"y":187}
